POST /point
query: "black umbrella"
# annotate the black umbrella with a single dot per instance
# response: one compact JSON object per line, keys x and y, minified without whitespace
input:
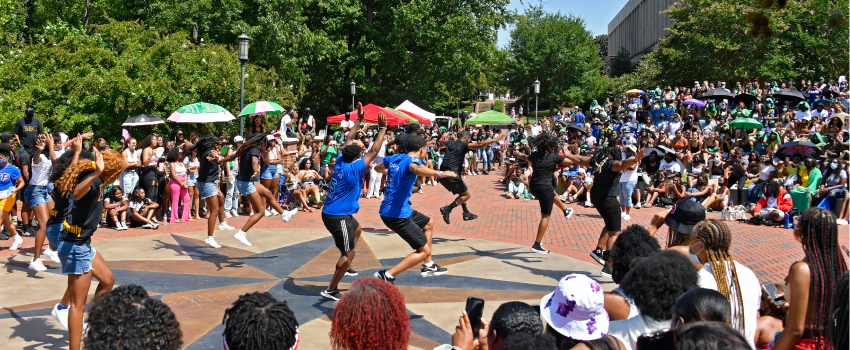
{"x":804,"y":149}
{"x":580,"y":129}
{"x":718,"y":94}
{"x":663,"y":150}
{"x":789,"y":95}
{"x":746,"y":98}
{"x":143,"y":119}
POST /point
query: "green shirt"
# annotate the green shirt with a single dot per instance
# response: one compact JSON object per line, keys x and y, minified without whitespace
{"x":330,"y":154}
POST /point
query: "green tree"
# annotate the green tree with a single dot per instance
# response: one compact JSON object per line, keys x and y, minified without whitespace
{"x":558,"y":50}
{"x":602,"y":42}
{"x":622,"y":63}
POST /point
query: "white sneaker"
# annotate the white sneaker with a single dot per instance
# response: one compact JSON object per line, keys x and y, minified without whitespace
{"x":627,"y":217}
{"x":147,"y":225}
{"x":841,"y":222}
{"x":227,"y":215}
{"x":210,"y":241}
{"x":637,"y":205}
{"x":242,"y":238}
{"x":368,"y":196}
{"x":274,"y":212}
{"x":233,"y":212}
{"x":17,"y":241}
{"x":225,"y":227}
{"x":267,"y":213}
{"x":287,"y":215}
{"x":51,"y":254}
{"x":36,"y":264}
{"x":622,"y":214}
{"x":124,"y":225}
{"x":61,"y":316}
{"x":587,"y":204}
{"x":421,"y":191}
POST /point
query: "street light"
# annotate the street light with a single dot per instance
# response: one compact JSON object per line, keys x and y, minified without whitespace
{"x":353,"y":92}
{"x":243,"y":57}
{"x":527,"y":101}
{"x":536,"y":92}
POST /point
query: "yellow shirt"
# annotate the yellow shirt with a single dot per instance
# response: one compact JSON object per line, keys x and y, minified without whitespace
{"x":800,"y":171}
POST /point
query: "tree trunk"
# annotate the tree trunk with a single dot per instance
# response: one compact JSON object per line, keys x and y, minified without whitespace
{"x":369,"y":19}
{"x":86,"y":18}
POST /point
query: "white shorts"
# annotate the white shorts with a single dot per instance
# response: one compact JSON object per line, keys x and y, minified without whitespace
{"x":766,"y":211}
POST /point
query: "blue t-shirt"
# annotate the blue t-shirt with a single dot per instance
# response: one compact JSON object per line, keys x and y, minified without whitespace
{"x":400,"y":181}
{"x":8,"y":175}
{"x":579,"y":118}
{"x":344,"y":189}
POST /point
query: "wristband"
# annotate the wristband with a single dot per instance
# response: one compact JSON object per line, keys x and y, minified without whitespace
{"x":382,"y":128}
{"x":439,"y":174}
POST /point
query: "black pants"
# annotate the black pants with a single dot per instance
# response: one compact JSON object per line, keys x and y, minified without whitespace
{"x":742,"y":191}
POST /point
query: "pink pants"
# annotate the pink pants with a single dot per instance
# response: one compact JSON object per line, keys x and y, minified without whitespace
{"x":178,"y":192}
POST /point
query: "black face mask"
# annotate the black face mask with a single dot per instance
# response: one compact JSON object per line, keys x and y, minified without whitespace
{"x":668,"y":159}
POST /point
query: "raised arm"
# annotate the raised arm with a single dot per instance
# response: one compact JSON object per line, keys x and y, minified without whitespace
{"x":83,"y":187}
{"x":424,"y":171}
{"x":623,"y":165}
{"x":379,"y":140}
{"x":351,"y":133}
{"x":483,"y":144}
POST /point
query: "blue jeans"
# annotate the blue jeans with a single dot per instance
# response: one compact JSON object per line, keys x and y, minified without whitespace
{"x":753,"y":193}
{"x":231,"y":198}
{"x":37,"y":195}
{"x":245,"y":187}
{"x":52,"y":235}
{"x":207,"y":189}
{"x":268,"y":172}
{"x":76,"y":259}
{"x":626,"y":189}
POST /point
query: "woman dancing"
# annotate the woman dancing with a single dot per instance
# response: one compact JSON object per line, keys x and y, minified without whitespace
{"x":209,"y":173}
{"x":251,"y":155}
{"x":544,"y":159}
{"x":85,"y":181}
{"x":607,"y":164}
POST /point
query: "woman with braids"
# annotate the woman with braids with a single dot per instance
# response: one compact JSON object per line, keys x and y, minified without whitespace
{"x":812,"y":283}
{"x":709,"y":251}
{"x":259,"y":321}
{"x":253,"y":153}
{"x":129,"y":307}
{"x":371,"y":316}
{"x":607,"y":164}
{"x":207,"y":149}
{"x":85,"y":181}
{"x":840,"y":327}
{"x":544,"y":159}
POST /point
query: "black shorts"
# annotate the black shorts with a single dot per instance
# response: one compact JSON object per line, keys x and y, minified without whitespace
{"x":409,"y":228}
{"x":455,"y":185}
{"x":342,"y":228}
{"x":545,"y":195}
{"x":609,"y":208}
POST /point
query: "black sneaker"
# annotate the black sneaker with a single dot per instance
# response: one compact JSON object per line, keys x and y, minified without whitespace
{"x":485,"y":172}
{"x":606,"y":271}
{"x":446,"y":211}
{"x":25,"y":231}
{"x":538,"y":248}
{"x":383,"y":275}
{"x":332,"y":294}
{"x":351,"y":272}
{"x":596,"y":254}
{"x":4,"y":235}
{"x":568,"y":212}
{"x":469,"y":216}
{"x":434,"y":270}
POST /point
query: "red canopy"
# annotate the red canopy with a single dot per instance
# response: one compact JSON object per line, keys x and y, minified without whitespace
{"x":418,"y":117}
{"x":370,"y":112}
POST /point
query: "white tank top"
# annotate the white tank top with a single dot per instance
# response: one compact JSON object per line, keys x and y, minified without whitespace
{"x":179,"y":169}
{"x":133,"y":158}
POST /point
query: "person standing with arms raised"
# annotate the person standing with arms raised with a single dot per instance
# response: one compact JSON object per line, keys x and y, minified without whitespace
{"x":453,"y":160}
{"x":341,"y":203}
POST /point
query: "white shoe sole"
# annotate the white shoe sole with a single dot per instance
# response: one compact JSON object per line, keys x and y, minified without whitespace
{"x":329,"y":296}
{"x":216,"y":245}
{"x":538,"y":251}
{"x":433,"y":273}
{"x":597,"y":258}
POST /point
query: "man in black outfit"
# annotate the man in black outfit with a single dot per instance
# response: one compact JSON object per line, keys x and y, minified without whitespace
{"x":453,"y":160}
{"x":27,"y":130}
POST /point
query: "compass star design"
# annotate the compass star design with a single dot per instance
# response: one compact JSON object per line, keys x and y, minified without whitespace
{"x":199,"y":283}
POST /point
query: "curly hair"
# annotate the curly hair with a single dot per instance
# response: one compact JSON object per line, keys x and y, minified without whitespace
{"x":633,"y":243}
{"x":671,"y":275}
{"x":259,"y":321}
{"x":370,"y":316}
{"x":545,"y":142}
{"x":62,"y":163}
{"x":113,"y":165}
{"x":203,"y":145}
{"x":516,"y":317}
{"x":709,"y":335}
{"x":600,"y":156}
{"x":127,"y":318}
{"x":819,"y":234}
{"x":718,"y":239}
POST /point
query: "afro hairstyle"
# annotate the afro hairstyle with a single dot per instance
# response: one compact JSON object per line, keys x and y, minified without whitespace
{"x":656,"y":282}
{"x":350,"y":153}
{"x":127,"y":318}
{"x":516,"y":317}
{"x":633,"y":243}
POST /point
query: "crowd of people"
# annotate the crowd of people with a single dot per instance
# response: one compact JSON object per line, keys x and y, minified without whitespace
{"x":622,"y":156}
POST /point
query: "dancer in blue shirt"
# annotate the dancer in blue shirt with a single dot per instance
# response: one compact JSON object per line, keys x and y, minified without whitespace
{"x":341,"y":203}
{"x":414,"y":227}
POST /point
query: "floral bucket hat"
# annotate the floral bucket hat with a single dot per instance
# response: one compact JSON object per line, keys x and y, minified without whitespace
{"x":576,"y":309}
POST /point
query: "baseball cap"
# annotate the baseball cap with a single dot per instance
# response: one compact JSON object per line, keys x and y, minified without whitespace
{"x":238,"y":139}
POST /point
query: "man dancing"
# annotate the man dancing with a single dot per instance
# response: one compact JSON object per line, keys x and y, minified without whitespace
{"x":341,"y":203}
{"x":455,"y":152}
{"x":415,"y":228}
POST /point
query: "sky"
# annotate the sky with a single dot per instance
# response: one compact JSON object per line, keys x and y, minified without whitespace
{"x":597,"y":13}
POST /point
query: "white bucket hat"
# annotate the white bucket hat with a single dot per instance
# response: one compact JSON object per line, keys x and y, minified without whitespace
{"x":576,"y":309}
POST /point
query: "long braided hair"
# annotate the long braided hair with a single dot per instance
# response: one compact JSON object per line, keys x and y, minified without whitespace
{"x":840,"y":326}
{"x":203,"y":145}
{"x":819,"y":235}
{"x":600,"y":156}
{"x":259,"y":321}
{"x":259,"y":140}
{"x":718,"y":238}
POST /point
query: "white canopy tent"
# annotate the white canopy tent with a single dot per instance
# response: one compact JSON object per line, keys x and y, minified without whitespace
{"x":410,"y":107}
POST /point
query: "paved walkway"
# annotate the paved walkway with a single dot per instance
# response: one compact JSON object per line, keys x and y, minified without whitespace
{"x":488,"y":258}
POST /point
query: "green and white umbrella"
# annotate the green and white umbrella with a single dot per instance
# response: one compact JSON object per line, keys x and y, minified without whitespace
{"x":201,"y":112}
{"x":261,"y":108}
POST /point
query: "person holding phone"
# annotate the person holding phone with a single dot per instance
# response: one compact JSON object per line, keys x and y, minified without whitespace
{"x":773,"y":310}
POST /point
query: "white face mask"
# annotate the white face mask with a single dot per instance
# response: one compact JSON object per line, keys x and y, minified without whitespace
{"x":693,"y":256}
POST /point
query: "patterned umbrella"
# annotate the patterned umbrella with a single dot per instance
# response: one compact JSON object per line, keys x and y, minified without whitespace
{"x":201,"y":112}
{"x":261,"y":108}
{"x":802,"y":148}
{"x":692,"y":101}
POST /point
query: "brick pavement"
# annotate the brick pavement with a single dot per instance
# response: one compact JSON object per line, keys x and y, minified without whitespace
{"x":768,"y":251}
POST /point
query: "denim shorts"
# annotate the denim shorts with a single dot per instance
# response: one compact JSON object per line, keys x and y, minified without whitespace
{"x":245,"y":187}
{"x":76,"y":259}
{"x":191,"y":179}
{"x":268,"y":172}
{"x":52,"y":232}
{"x":207,"y":189}
{"x":37,"y":195}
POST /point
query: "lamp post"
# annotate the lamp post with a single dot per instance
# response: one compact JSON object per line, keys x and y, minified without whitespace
{"x":353,"y":92}
{"x":536,"y":92}
{"x":527,"y":101}
{"x":243,"y":58}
